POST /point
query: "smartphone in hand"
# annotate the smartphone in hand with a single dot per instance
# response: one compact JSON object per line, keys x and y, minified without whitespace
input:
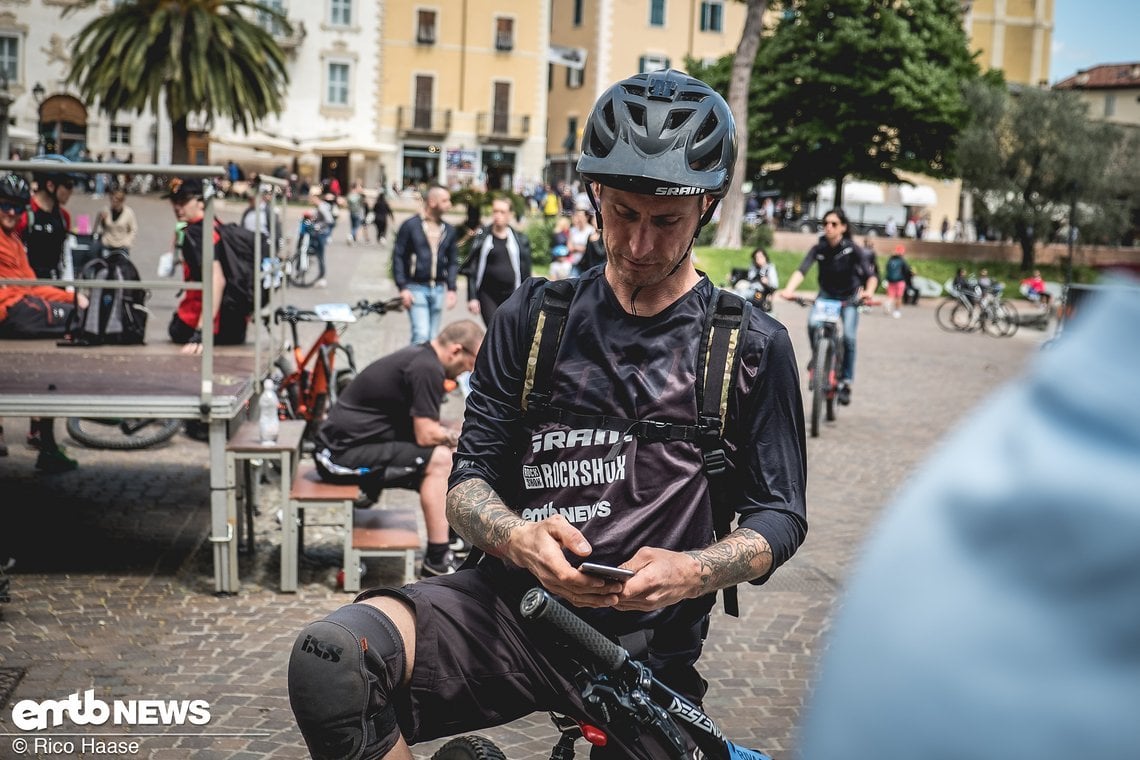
{"x":606,"y":571}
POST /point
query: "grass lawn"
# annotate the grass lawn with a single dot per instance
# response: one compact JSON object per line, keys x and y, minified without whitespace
{"x":717,"y":263}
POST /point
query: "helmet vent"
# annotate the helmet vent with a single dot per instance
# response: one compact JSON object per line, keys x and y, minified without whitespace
{"x":634,"y":89}
{"x":637,"y":113}
{"x":691,"y":97}
{"x":677,"y":119}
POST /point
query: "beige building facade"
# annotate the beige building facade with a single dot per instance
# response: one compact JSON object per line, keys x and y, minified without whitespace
{"x":1015,"y":36}
{"x":617,"y":38}
{"x":1111,"y":92}
{"x":462,"y":92}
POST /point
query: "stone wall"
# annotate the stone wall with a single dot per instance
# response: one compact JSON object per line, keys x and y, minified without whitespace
{"x":1096,"y":256}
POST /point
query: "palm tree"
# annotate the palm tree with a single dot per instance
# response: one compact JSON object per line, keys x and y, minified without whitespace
{"x":732,"y":209}
{"x":188,"y":56}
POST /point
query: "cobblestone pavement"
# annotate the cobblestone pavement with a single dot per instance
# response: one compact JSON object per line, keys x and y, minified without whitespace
{"x":113,"y":591}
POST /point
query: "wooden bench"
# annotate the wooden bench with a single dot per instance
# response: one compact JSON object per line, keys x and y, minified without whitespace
{"x":374,"y":533}
{"x":381,"y":533}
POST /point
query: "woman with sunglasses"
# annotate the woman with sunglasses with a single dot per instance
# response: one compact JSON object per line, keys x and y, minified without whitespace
{"x":846,"y":272}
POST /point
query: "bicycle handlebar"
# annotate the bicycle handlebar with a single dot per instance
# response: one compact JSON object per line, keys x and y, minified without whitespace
{"x":361,"y":308}
{"x":538,"y":605}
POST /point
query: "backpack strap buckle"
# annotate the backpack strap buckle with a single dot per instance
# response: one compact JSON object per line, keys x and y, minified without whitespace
{"x":716,"y":461}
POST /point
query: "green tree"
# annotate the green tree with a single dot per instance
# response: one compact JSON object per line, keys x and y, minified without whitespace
{"x":862,"y":88}
{"x":1031,"y":156}
{"x":185,"y":56}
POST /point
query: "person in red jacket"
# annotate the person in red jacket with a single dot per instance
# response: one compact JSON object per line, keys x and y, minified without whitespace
{"x":33,"y":311}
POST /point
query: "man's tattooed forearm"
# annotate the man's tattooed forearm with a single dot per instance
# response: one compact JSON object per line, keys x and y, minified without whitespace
{"x":480,"y":516}
{"x":737,"y":558}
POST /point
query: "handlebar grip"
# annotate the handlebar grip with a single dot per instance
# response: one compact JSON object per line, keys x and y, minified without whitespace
{"x":538,"y":605}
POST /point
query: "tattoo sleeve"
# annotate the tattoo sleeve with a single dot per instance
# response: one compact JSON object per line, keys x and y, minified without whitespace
{"x":479,"y":515}
{"x":737,"y":558}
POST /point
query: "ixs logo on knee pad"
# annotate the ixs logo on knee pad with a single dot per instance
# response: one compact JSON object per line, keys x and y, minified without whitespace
{"x":29,"y":715}
{"x":322,"y":649}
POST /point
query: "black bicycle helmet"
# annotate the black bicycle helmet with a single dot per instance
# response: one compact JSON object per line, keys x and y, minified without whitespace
{"x":660,"y":133}
{"x":13,"y":186}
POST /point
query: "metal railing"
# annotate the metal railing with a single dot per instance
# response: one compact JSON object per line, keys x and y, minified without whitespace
{"x":206,"y":392}
{"x":423,"y":120}
{"x":497,"y":125}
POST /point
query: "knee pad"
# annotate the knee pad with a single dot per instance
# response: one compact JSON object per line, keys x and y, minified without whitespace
{"x":343,"y":671}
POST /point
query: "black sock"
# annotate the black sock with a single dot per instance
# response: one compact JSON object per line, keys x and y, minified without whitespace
{"x":43,"y":429}
{"x":435,"y":552}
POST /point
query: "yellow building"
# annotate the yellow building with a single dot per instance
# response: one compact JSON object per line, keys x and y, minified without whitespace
{"x":607,"y":40}
{"x":1014,"y":36}
{"x":462,"y":92}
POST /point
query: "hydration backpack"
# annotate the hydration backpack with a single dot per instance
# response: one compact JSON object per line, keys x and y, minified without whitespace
{"x":718,"y":361}
{"x":113,"y":315}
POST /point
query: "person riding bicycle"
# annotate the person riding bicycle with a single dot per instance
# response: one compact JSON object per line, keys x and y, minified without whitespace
{"x":537,"y":496}
{"x":846,"y":273}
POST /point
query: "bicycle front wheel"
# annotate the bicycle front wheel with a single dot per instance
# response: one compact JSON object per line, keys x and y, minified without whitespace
{"x":469,"y":748}
{"x":943,"y":312}
{"x":305,"y":269}
{"x":122,"y":435}
{"x":821,"y":384}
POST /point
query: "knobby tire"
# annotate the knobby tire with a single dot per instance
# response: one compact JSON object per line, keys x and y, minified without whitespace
{"x":820,"y":381}
{"x":469,"y":748}
{"x":307,"y":277}
{"x":834,"y":365}
{"x":107,"y":434}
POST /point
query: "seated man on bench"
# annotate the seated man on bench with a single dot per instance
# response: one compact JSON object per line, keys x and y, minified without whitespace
{"x":32,"y":311}
{"x":384,"y":430}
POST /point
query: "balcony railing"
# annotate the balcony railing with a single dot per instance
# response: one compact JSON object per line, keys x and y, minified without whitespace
{"x":497,"y":125}
{"x":423,"y":121}
{"x":504,"y":41}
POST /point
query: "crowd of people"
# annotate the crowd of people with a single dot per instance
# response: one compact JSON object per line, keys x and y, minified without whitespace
{"x":537,"y":481}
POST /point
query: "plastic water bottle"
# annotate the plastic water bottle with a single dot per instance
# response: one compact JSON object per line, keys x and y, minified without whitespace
{"x":267,"y":422}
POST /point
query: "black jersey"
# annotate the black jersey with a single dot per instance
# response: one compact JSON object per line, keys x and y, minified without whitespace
{"x":379,"y":404}
{"x":621,"y":492}
{"x":842,"y":269}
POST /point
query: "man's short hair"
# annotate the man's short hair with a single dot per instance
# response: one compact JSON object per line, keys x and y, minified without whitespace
{"x":466,"y":332}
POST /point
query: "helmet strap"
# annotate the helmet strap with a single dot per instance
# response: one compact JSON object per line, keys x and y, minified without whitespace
{"x":706,"y":217}
{"x":594,"y":202}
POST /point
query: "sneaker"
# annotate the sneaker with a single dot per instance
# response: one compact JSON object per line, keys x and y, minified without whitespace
{"x":322,"y":283}
{"x":54,"y":461}
{"x":364,"y":501}
{"x":896,"y":314}
{"x":845,"y":394}
{"x":446,"y":566}
{"x":459,"y":547}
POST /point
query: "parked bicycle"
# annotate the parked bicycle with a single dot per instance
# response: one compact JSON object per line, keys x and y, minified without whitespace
{"x":980,"y":309}
{"x":309,"y":386}
{"x":826,"y":358}
{"x":307,"y":264}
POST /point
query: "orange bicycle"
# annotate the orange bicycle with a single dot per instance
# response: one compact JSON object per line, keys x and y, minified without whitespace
{"x":307,"y":389}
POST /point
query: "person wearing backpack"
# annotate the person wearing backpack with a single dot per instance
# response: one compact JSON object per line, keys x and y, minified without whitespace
{"x":31,"y":311}
{"x":187,"y":199}
{"x":897,"y":276}
{"x":605,"y":459}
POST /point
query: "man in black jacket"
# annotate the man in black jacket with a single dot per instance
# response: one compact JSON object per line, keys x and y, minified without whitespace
{"x":498,"y":263}
{"x":425,"y":262}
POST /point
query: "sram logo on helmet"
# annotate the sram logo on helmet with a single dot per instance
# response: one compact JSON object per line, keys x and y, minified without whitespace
{"x":678,"y":191}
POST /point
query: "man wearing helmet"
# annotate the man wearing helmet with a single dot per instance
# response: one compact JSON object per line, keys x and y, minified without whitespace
{"x":32,"y":311}
{"x":46,"y":224}
{"x":584,"y":480}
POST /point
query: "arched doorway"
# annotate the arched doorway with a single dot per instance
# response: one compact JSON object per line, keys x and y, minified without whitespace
{"x":63,"y":126}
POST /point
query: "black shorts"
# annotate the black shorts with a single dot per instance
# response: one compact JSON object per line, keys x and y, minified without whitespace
{"x":376,"y":466}
{"x":231,"y":330}
{"x":478,"y":664}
